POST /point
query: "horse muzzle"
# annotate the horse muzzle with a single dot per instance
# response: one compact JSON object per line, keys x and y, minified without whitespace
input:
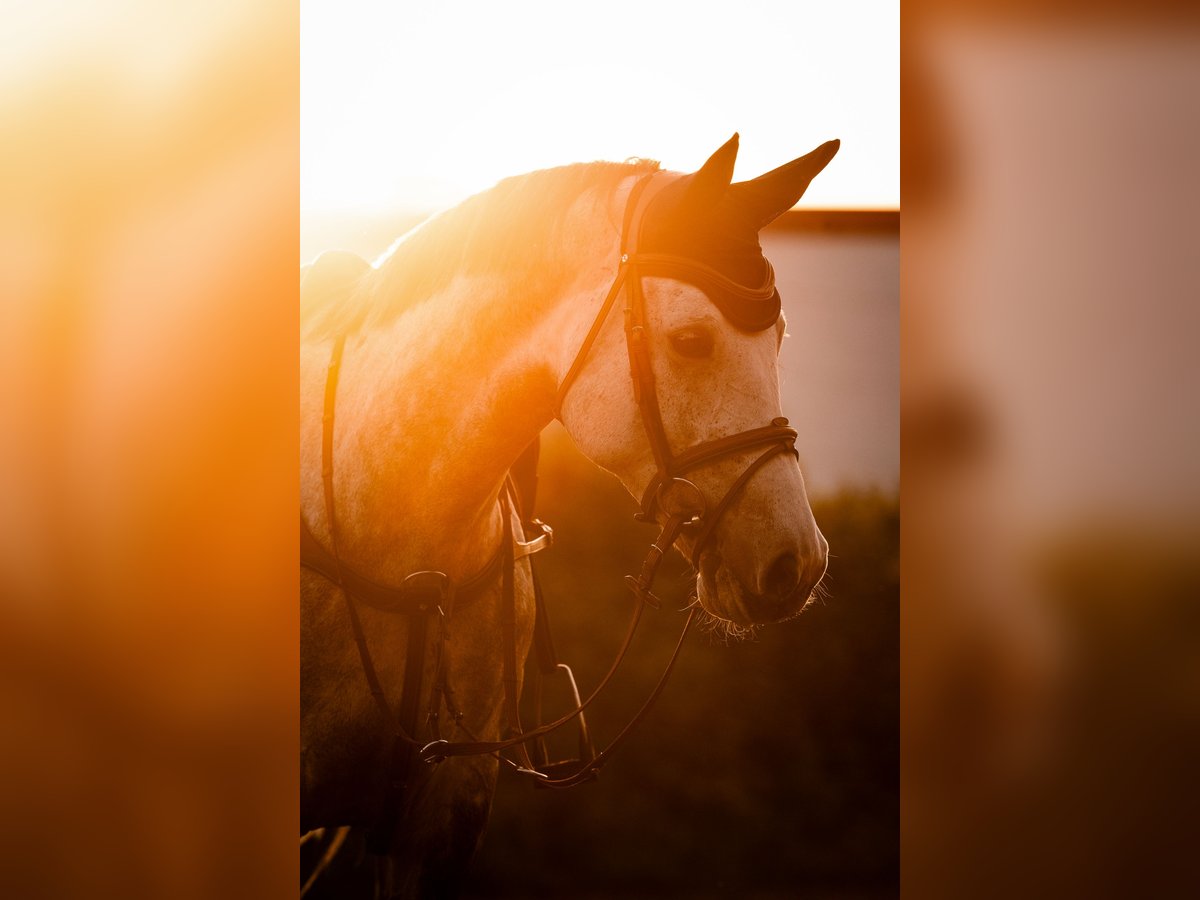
{"x":786,"y":584}
{"x":744,"y":583}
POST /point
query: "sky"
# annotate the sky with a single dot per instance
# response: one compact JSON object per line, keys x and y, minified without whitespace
{"x":408,"y":107}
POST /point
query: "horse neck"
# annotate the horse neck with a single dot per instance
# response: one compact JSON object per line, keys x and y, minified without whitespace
{"x":432,"y":410}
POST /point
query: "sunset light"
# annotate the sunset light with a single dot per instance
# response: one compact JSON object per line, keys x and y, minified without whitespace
{"x":407,"y":107}
{"x":456,"y":449}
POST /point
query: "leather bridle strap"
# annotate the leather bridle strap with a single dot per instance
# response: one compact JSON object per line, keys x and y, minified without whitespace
{"x":778,"y":433}
{"x":404,"y":721}
{"x":709,"y":522}
{"x":401,"y":600}
{"x":404,"y":729}
{"x":706,"y":277}
{"x":511,"y":667}
{"x":436,"y":751}
{"x":588,"y":769}
{"x":420,"y":595}
{"x":331,"y":386}
{"x":614,"y":291}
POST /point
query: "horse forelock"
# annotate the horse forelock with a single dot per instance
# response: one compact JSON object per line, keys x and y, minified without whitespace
{"x":511,"y":232}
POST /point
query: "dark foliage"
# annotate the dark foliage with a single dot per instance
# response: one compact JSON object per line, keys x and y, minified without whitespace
{"x":769,"y":766}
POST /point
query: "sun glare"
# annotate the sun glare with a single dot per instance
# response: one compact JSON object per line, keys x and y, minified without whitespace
{"x":408,"y":108}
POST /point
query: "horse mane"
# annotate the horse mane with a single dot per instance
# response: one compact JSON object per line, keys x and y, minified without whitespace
{"x":511,"y":229}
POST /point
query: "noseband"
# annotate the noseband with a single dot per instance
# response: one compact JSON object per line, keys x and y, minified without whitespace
{"x":669,"y":492}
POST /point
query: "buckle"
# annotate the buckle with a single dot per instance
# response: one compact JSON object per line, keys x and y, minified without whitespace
{"x":680,"y":498}
{"x":543,"y":541}
{"x":431,"y":752}
{"x":428,"y":588}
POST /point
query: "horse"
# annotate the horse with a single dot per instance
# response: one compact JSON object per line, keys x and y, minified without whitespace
{"x":426,"y":377}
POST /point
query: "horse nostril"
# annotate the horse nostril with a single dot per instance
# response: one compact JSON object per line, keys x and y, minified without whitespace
{"x":783,"y":575}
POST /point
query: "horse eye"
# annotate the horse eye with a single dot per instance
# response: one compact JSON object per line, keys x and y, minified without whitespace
{"x":695,"y":343}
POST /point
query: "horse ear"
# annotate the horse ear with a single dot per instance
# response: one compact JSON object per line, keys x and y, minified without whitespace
{"x":769,"y":196}
{"x":708,"y":184}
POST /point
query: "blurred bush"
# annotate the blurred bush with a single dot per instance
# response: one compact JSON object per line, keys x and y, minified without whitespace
{"x":768,"y":766}
{"x":1051,"y":460}
{"x":149,"y":172}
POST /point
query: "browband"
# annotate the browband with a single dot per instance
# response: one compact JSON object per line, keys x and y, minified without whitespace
{"x":750,"y":309}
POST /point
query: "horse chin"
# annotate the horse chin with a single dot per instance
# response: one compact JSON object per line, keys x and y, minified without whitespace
{"x":729,"y":605}
{"x":721,"y":597}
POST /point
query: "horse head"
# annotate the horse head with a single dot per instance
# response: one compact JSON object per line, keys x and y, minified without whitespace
{"x":699,"y":424}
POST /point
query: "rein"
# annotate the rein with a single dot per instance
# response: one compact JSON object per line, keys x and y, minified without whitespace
{"x":431,"y":597}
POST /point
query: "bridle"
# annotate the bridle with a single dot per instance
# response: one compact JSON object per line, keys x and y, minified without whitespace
{"x":431,"y":596}
{"x":668,"y":490}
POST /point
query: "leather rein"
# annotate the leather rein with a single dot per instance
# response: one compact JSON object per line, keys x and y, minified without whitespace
{"x":431,"y":597}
